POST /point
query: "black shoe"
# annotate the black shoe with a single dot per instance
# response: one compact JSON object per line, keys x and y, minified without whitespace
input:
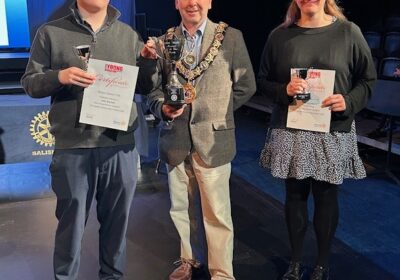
{"x":294,"y":272}
{"x":320,"y":273}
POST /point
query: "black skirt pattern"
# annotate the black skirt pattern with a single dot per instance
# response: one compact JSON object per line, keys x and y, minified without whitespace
{"x":330,"y":157}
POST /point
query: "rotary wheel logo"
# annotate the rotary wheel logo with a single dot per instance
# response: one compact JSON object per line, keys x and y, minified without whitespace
{"x":40,"y":132}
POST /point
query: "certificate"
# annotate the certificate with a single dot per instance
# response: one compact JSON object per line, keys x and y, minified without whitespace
{"x":108,"y":101}
{"x":308,"y":114}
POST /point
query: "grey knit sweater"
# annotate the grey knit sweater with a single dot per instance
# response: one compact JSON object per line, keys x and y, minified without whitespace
{"x":339,"y":46}
{"x":52,"y":51}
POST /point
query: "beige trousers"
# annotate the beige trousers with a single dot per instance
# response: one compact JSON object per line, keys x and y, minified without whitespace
{"x":212,"y":185}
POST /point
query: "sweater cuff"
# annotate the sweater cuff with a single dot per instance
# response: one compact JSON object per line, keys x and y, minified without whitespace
{"x":52,"y":77}
{"x":347,"y":112}
{"x":147,"y":62}
{"x":283,"y":98}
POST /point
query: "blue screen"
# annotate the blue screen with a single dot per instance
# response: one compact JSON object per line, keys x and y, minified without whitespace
{"x":14,"y":27}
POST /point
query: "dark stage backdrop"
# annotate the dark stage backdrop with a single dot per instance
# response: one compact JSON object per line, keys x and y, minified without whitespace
{"x":159,"y":13}
{"x":257,"y":18}
{"x":41,"y":11}
{"x":254,"y":17}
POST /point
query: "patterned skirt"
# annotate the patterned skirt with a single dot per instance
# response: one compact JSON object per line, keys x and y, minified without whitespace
{"x":330,"y":157}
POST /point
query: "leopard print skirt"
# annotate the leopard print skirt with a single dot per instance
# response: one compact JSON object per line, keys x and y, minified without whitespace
{"x":330,"y":157}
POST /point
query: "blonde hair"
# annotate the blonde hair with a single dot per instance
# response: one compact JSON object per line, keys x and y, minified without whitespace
{"x":293,"y":12}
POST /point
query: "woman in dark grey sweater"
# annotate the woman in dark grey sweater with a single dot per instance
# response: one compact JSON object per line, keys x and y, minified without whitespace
{"x":315,"y":34}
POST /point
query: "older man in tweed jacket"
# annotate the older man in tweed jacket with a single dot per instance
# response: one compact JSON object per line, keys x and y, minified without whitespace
{"x":198,"y":143}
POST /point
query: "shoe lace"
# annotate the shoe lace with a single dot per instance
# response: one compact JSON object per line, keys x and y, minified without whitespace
{"x":181,"y":261}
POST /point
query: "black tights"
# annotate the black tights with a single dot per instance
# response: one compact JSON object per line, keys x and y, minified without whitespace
{"x":326,"y":215}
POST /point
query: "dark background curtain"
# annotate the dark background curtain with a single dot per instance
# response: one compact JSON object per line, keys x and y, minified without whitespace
{"x":42,"y":11}
{"x":255,"y":18}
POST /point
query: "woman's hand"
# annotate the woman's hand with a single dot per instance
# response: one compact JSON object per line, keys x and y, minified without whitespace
{"x":296,"y":86}
{"x":336,"y":103}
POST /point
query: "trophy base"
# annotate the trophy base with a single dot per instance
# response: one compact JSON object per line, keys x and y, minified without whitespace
{"x":175,"y":105}
{"x":174,"y":96}
{"x":303,"y":96}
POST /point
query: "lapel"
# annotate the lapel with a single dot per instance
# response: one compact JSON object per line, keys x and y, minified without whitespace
{"x":178,"y":31}
{"x":208,"y":38}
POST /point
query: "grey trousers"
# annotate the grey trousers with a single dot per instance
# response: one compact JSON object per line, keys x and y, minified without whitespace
{"x":77,"y":176}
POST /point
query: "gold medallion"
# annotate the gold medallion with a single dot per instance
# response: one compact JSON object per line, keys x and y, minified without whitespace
{"x":189,"y":60}
{"x":190,"y":92}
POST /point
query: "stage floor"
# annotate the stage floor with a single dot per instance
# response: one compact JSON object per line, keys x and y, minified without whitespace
{"x":261,"y":247}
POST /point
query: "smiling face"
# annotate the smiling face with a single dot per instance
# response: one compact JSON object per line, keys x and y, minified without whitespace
{"x":311,"y":7}
{"x":193,"y":12}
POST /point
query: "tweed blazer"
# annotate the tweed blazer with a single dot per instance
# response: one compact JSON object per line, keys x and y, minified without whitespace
{"x":207,"y":125}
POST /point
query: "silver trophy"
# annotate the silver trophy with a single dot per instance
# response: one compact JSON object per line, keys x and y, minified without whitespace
{"x":83,"y":52}
{"x":170,"y":48}
{"x":302,"y":74}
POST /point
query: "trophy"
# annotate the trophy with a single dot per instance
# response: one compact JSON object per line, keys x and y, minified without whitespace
{"x":302,"y":74}
{"x":83,"y":52}
{"x":171,"y":48}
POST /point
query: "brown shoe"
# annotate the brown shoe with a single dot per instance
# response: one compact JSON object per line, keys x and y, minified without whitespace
{"x":183,"y":271}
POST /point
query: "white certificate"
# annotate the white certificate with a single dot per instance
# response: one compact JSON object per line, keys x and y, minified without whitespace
{"x":108,"y":102}
{"x":309,"y":115}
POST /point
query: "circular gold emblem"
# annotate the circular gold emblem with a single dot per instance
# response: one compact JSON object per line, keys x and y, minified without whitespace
{"x":189,"y":60}
{"x":39,"y":129}
{"x":190,"y":93}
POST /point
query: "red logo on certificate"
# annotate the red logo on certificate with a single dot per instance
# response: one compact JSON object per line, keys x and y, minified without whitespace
{"x":113,"y":68}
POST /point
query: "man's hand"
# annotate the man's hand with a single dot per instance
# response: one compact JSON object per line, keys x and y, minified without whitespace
{"x":172,"y":112}
{"x":149,"y":50}
{"x":75,"y":76}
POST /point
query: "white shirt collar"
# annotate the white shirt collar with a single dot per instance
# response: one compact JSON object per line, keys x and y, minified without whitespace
{"x":199,"y":31}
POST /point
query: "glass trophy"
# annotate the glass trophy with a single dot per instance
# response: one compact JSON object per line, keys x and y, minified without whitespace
{"x":83,"y":52}
{"x":171,"y":49}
